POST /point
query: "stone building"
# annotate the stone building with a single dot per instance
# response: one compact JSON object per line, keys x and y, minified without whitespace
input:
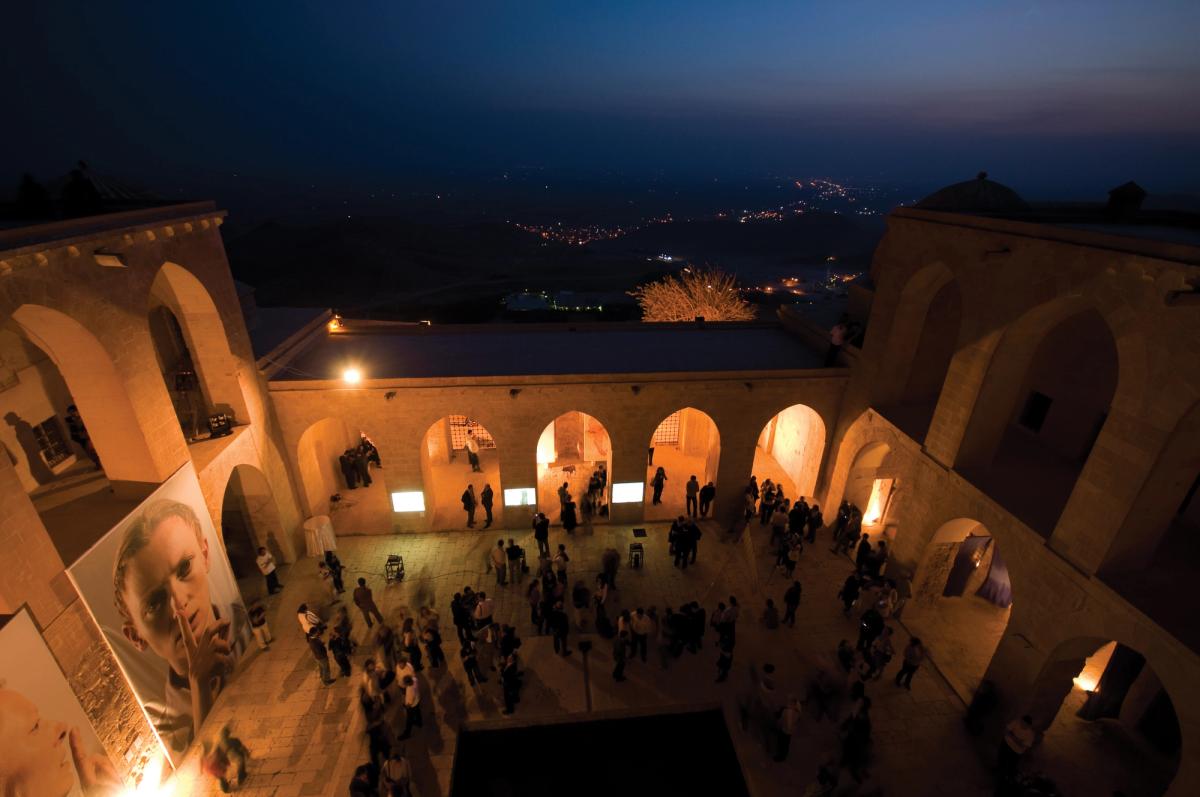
{"x":1021,"y":424}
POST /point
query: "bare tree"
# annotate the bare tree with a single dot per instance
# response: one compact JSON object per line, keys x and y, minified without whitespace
{"x":705,"y":292}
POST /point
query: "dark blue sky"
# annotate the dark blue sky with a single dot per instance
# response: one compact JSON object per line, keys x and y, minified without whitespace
{"x":1050,"y":97}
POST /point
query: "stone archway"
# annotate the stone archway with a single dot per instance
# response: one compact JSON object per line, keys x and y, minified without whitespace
{"x":1105,"y":718}
{"x":922,"y":343}
{"x":197,"y":338}
{"x":571,"y":449}
{"x":359,"y":509}
{"x":686,"y":443}
{"x":1040,"y":408}
{"x":249,"y":521}
{"x":961,"y":601}
{"x":789,"y":451}
{"x":447,"y":470}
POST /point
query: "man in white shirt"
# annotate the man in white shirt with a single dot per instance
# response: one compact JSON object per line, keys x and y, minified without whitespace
{"x":412,"y":706}
{"x":266,"y":566}
{"x":1019,"y":736}
{"x":500,"y":562}
{"x":641,"y":626}
{"x":483,"y":611}
{"x":473,"y":452}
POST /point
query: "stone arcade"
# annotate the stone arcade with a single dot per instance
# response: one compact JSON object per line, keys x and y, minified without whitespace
{"x":1028,"y":390}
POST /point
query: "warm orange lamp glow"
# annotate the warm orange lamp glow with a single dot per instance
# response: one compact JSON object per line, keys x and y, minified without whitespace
{"x":881,"y":490}
{"x":352,"y":376}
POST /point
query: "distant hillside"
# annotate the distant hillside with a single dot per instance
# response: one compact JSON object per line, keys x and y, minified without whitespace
{"x":812,"y":236}
{"x":351,"y":261}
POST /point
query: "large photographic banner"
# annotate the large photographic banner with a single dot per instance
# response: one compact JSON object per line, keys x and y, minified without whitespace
{"x":160,"y":587}
{"x":47,"y":744}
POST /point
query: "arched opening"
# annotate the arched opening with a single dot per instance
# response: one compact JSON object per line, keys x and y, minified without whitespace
{"x":175,"y":363}
{"x":789,"y":450}
{"x":86,"y":468}
{"x":1106,"y":719}
{"x":457,"y":452}
{"x":193,"y":353}
{"x":870,"y":486}
{"x":961,"y":602}
{"x":1040,"y":409}
{"x":572,"y":450}
{"x":925,"y":366}
{"x":686,"y":446}
{"x":249,"y":520}
{"x":331,"y":463}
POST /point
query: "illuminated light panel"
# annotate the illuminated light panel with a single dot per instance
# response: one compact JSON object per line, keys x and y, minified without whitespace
{"x":410,"y":501}
{"x":520,"y":496}
{"x":627,"y":492}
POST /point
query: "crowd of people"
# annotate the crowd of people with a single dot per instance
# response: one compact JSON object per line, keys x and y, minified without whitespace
{"x":563,"y":602}
{"x":355,"y":462}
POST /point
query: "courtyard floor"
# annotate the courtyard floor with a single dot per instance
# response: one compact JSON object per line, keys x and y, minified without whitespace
{"x":306,"y":739}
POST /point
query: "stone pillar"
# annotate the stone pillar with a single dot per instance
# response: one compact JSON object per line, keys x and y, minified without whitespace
{"x":733,"y":474}
{"x":628,"y":465}
{"x":33,"y":571}
{"x":956,"y":403}
{"x":1106,"y":489}
{"x":518,"y":468}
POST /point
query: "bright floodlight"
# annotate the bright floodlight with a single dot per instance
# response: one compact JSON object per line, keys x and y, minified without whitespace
{"x":627,"y":492}
{"x":351,"y":376}
{"x":413,"y":501}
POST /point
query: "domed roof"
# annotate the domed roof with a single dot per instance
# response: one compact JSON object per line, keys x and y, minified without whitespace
{"x":980,"y":195}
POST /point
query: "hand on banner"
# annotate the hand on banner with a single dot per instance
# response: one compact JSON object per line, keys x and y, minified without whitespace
{"x":210,"y":659}
{"x":95,"y":770}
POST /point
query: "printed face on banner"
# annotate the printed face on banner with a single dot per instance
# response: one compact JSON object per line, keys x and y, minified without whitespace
{"x":49,"y":747}
{"x":164,"y":595}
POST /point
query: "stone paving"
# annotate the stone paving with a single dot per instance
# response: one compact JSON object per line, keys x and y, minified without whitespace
{"x":307,"y":738}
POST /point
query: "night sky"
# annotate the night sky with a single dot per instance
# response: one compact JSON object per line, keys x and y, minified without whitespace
{"x":204,"y":99}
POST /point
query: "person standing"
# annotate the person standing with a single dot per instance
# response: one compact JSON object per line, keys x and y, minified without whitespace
{"x":412,"y":707}
{"x":79,"y":434}
{"x":862,"y":556}
{"x":564,"y":497}
{"x":770,"y":616}
{"x":473,"y":452}
{"x":724,"y":658}
{"x":470,"y":664}
{"x":815,"y":521}
{"x":707,"y":493}
{"x":258,"y":625}
{"x":789,"y":719}
{"x":335,"y":571}
{"x":359,"y":460}
{"x":692,"y":492}
{"x":346,"y":464}
{"x":396,"y":776}
{"x":849,"y":593}
{"x":266,"y":566}
{"x":620,"y":654}
{"x":327,"y":577}
{"x":1019,"y":736}
{"x":365,"y":601}
{"x":468,"y":505}
{"x":640,"y":626}
{"x":486,"y":499}
{"x":914,"y":656}
{"x":510,"y":680}
{"x":515,"y":554}
{"x":320,"y":655}
{"x":541,"y":533}
{"x":560,"y":626}
{"x":791,"y":601}
{"x":838,"y":335}
{"x":341,"y":647}
{"x":560,"y":564}
{"x":499,"y":562}
{"x":569,"y":519}
{"x":658,"y":482}
{"x":693,"y":541}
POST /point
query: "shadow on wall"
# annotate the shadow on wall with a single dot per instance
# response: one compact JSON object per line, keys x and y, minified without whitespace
{"x":29,"y":444}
